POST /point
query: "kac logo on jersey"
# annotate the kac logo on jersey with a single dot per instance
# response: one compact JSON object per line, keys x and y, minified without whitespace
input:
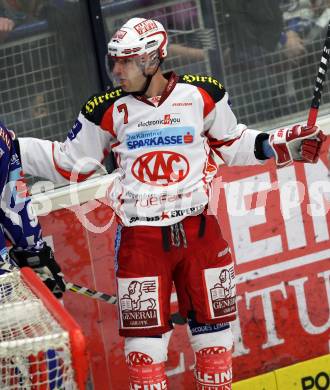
{"x":160,"y":168}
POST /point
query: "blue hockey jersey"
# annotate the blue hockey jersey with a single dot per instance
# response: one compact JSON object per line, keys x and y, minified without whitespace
{"x":18,"y":223}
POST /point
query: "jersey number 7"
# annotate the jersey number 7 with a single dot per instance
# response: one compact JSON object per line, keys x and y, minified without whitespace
{"x":123,"y":107}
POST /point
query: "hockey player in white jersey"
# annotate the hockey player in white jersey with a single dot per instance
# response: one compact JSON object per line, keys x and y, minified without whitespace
{"x":165,"y":131}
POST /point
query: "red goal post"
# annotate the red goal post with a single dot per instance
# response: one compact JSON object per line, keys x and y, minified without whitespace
{"x":41,"y":345}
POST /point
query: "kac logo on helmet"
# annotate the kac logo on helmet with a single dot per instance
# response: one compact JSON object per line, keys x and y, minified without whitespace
{"x":320,"y":382}
{"x":160,"y":168}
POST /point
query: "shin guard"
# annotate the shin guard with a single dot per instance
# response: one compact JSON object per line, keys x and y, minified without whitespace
{"x":145,"y":375}
{"x":213,"y":370}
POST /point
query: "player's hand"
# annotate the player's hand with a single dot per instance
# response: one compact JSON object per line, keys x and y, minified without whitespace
{"x":300,"y":143}
{"x":6,"y":264}
{"x":294,"y":45}
{"x":6,"y":25}
{"x":12,"y":134}
{"x":42,"y":261}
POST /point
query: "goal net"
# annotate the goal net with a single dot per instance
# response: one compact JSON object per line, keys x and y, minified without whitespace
{"x":41,"y":346}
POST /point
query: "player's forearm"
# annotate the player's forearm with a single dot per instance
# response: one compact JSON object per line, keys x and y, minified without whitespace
{"x":37,"y":159}
{"x":242,"y":150}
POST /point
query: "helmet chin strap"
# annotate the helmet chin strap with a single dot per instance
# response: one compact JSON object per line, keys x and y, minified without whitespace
{"x":148,"y":81}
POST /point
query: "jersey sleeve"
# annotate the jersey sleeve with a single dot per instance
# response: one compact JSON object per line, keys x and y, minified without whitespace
{"x":5,"y":147}
{"x":81,"y":154}
{"x":234,"y":143}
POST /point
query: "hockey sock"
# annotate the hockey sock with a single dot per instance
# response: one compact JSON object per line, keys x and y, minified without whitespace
{"x":148,"y":377}
{"x":213,"y":370}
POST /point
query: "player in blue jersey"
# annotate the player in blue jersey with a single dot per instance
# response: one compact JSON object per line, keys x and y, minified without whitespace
{"x":19,"y":224}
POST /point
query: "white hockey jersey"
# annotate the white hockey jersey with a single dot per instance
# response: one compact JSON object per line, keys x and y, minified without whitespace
{"x":165,"y":152}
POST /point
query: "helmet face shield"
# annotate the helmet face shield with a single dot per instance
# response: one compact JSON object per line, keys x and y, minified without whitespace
{"x":130,"y":72}
{"x":123,"y":69}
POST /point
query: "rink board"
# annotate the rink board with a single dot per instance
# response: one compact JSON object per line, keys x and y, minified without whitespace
{"x":311,"y":374}
{"x":282,"y":257}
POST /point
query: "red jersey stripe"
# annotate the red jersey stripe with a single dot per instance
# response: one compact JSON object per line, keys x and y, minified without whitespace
{"x":209,"y":104}
{"x":107,"y":121}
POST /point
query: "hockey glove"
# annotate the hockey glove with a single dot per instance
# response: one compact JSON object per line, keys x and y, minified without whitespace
{"x":6,"y":264}
{"x":43,"y":263}
{"x":300,"y":143}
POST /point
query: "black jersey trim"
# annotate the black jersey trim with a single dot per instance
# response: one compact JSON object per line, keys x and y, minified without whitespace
{"x":258,"y":146}
{"x":96,"y":106}
{"x":211,"y":85}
